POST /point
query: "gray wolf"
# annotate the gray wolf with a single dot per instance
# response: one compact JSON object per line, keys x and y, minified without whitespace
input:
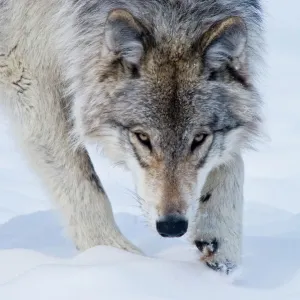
{"x":167,"y":88}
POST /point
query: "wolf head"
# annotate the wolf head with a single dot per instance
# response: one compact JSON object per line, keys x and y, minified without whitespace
{"x":171,"y":104}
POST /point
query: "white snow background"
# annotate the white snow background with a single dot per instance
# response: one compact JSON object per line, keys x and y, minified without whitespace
{"x":38,"y":263}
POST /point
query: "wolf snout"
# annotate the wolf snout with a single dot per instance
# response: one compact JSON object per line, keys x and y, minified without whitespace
{"x":172,"y":225}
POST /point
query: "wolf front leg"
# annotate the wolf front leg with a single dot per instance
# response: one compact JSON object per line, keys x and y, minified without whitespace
{"x":74,"y":185}
{"x":219,"y":222}
{"x":40,"y":119}
{"x":76,"y":190}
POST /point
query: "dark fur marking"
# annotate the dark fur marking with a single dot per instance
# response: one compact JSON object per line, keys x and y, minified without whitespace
{"x":238,"y":77}
{"x":135,"y":73}
{"x":139,"y":159}
{"x":202,"y":162}
{"x":91,"y":172}
{"x":205,"y":198}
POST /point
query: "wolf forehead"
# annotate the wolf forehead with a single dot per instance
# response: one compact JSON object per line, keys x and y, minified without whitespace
{"x":162,"y":106}
{"x":172,"y":93}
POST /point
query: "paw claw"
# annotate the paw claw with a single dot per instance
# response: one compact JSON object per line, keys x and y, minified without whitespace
{"x":226,"y":267}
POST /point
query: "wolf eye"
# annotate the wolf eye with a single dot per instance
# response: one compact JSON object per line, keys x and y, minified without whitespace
{"x":198,"y":141}
{"x":143,"y":139}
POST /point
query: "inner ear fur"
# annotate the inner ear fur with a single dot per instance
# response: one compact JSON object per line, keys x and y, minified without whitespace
{"x":229,"y":25}
{"x":126,"y":36}
{"x":224,"y":43}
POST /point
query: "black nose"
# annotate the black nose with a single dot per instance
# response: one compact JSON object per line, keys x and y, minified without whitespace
{"x":172,"y":226}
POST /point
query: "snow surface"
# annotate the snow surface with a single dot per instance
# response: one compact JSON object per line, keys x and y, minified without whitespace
{"x":38,"y":262}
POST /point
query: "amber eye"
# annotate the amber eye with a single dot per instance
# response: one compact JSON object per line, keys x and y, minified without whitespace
{"x":144,"y":139}
{"x":198,"y":141}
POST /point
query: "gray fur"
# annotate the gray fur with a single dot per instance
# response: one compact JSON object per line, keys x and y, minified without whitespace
{"x":73,"y":72}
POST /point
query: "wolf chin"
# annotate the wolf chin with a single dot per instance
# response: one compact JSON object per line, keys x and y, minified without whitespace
{"x":165,"y":87}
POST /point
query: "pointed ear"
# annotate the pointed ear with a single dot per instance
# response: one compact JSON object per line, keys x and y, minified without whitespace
{"x":125,"y":36}
{"x":224,"y":43}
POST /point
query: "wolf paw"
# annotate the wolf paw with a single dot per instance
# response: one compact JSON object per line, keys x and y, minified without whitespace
{"x":213,"y":258}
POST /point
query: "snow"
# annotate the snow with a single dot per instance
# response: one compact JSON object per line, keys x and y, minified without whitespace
{"x":37,"y":261}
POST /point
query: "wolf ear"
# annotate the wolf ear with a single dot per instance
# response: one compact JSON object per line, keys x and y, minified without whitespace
{"x":125,"y":36}
{"x":224,"y":44}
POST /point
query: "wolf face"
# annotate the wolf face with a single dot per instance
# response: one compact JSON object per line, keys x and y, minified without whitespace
{"x":171,"y":106}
